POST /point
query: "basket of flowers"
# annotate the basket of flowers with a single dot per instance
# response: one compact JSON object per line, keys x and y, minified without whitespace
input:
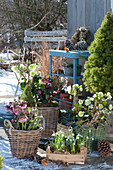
{"x":91,"y":116}
{"x":44,"y":94}
{"x":25,"y":129}
{"x":39,"y":93}
{"x":66,"y":147}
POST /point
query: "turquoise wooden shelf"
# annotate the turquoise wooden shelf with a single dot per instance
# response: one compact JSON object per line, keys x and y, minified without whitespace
{"x":75,"y":55}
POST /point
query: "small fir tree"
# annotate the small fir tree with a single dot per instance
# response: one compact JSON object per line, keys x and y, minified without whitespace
{"x":98,"y":75}
{"x":28,"y":96}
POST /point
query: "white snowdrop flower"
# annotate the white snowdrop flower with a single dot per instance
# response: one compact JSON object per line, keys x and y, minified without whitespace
{"x":110,"y":107}
{"x":87,"y":137}
{"x":72,"y":134}
{"x":92,"y":138}
{"x":87,"y":102}
{"x":80,"y":101}
{"x":89,"y":131}
{"x":100,"y":106}
{"x":53,"y":134}
{"x":82,"y":144}
{"x":73,"y":143}
{"x":100,"y":94}
{"x":69,"y":89}
{"x":77,"y":137}
{"x":81,"y":89}
{"x":81,"y":114}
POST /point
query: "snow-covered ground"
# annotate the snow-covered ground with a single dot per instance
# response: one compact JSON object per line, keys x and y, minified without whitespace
{"x":8,"y":84}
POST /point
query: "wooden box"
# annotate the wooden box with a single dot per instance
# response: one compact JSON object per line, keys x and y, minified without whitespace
{"x":78,"y":158}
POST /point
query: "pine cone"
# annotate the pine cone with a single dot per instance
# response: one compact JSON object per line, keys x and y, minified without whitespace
{"x":104,"y":148}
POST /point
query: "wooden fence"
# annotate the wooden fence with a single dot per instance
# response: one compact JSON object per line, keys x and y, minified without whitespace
{"x":89,"y":13}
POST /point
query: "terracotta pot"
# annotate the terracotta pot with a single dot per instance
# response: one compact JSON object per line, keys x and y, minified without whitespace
{"x":67,"y":103}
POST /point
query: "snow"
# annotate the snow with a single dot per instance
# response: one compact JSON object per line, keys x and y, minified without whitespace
{"x":8,"y":84}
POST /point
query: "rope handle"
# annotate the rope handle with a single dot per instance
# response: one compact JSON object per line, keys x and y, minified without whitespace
{"x":10,"y":124}
{"x":43,"y":122}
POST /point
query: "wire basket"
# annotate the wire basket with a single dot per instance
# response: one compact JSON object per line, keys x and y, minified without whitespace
{"x":93,"y":133}
{"x":23,"y":143}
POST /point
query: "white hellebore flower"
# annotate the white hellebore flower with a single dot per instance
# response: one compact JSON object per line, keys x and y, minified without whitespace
{"x":100,"y":106}
{"x":69,"y":89}
{"x":94,"y":96}
{"x":100,"y":94}
{"x":109,"y":95}
{"x":32,"y":73}
{"x":80,"y":101}
{"x":22,"y":66}
{"x":81,"y":89}
{"x":32,"y":66}
{"x":110,"y":107}
{"x":87,"y":102}
{"x":14,"y":68}
{"x":81,"y":114}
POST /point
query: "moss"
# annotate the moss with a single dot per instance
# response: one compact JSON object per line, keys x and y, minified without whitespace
{"x":1,"y":162}
{"x":98,"y":75}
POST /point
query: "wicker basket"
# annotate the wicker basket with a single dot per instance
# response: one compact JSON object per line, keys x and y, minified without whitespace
{"x":94,"y":134}
{"x":50,"y":115}
{"x":23,"y":143}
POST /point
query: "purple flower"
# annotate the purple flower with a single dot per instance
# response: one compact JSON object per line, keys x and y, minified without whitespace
{"x":17,"y":110}
{"x":22,"y":119}
{"x":24,"y":105}
{"x":39,"y":92}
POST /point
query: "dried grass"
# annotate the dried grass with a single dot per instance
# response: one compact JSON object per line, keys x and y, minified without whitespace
{"x":42,"y":58}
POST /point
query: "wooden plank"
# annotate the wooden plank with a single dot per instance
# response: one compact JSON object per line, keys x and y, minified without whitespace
{"x":45,"y":33}
{"x":72,"y":17}
{"x":47,"y":39}
{"x":99,"y":12}
{"x":80,"y":13}
{"x":78,"y":158}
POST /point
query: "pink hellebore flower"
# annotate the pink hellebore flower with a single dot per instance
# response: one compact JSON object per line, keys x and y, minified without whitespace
{"x":17,"y":110}
{"x":39,"y":92}
{"x":12,"y":121}
{"x":22,"y":119}
{"x":24,"y":105}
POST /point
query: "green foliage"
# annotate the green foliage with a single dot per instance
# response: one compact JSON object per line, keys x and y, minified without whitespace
{"x":98,"y":75}
{"x":1,"y":162}
{"x":28,"y":96}
{"x":67,"y":142}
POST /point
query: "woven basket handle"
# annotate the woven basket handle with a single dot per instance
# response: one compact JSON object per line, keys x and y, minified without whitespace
{"x":10,"y":124}
{"x":41,"y":117}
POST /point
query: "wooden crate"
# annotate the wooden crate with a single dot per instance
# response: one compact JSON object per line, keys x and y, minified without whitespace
{"x":78,"y":158}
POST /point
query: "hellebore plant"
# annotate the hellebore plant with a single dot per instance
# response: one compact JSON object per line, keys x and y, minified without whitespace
{"x":67,"y":142}
{"x":26,"y":73}
{"x":44,"y":92}
{"x":23,"y":119}
{"x":93,"y":109}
